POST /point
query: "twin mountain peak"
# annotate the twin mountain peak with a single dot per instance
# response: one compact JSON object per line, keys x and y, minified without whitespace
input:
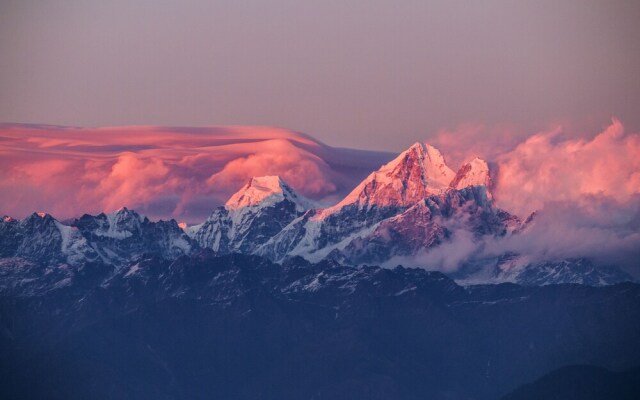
{"x":415,"y":174}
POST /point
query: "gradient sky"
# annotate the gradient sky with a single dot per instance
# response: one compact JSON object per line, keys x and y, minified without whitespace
{"x":367,"y":74}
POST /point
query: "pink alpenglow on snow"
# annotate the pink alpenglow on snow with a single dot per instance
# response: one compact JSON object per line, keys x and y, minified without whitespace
{"x":473,"y":173}
{"x":265,"y":190}
{"x":415,"y":174}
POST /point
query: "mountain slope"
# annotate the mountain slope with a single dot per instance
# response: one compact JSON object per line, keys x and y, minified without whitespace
{"x":245,"y":328}
{"x":254,"y":214}
{"x":113,"y":238}
{"x":415,"y":174}
{"x":377,"y":205}
{"x":408,"y":206}
{"x":428,"y":224}
{"x":42,"y":238}
{"x":473,"y":173}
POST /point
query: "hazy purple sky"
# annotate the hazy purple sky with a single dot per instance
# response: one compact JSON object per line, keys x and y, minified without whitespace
{"x":367,"y":73}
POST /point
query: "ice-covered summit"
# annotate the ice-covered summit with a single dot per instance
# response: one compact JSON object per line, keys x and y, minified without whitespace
{"x":120,"y":224}
{"x":473,"y":173}
{"x":254,"y":214}
{"x":265,"y":191}
{"x":416,"y":173}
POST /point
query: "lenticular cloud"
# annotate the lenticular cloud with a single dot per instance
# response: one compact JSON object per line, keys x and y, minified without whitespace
{"x":180,"y":173}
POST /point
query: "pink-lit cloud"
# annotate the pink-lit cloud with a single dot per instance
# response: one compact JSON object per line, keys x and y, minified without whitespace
{"x":595,"y":226}
{"x":553,"y":165}
{"x":547,"y":167}
{"x":471,"y":140}
{"x":279,"y":157}
{"x":584,"y":188}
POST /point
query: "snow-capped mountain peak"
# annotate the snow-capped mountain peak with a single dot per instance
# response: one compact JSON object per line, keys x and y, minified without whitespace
{"x":258,"y":211}
{"x":429,"y":163}
{"x":417,"y":172}
{"x":473,"y":173}
{"x":73,"y":245}
{"x":38,"y":219}
{"x":265,"y":191}
{"x":124,"y":213}
{"x":119,"y":224}
{"x":436,"y":169}
{"x":404,"y":210}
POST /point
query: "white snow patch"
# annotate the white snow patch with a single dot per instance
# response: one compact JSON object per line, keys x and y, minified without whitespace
{"x":315,"y":284}
{"x":400,"y":182}
{"x":74,"y":245}
{"x":473,"y":173}
{"x":406,"y":290}
{"x":266,"y":191}
{"x":133,"y":270}
{"x":181,"y":244}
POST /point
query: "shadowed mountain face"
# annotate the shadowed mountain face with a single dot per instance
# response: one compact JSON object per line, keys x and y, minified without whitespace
{"x":241,"y":327}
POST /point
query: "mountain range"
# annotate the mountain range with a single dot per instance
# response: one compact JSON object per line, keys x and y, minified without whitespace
{"x":274,"y":296}
{"x":400,"y":214}
{"x":242,"y":327}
